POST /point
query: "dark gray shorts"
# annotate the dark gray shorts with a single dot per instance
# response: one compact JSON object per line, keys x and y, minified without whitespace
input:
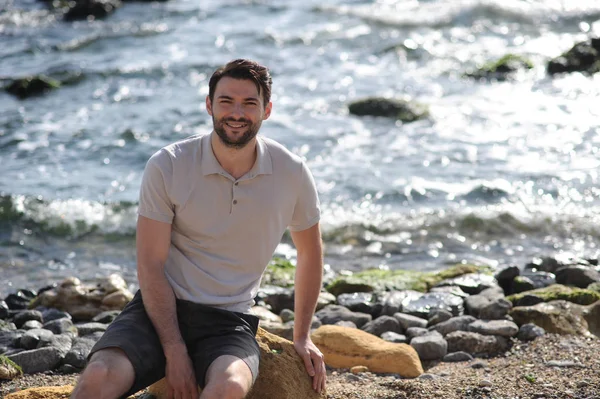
{"x":208,"y":333}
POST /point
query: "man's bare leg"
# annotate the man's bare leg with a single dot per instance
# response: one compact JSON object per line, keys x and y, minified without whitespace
{"x":108,"y":375}
{"x":228,"y":377}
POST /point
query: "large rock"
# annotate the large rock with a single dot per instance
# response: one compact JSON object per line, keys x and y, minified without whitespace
{"x":503,"y":328}
{"x":91,"y":9}
{"x":8,"y":369}
{"x":392,"y":108}
{"x":282,"y":373}
{"x":583,"y":57}
{"x":345,"y":348}
{"x":556,"y":292}
{"x":37,"y":360}
{"x":501,"y":69}
{"x":475,"y":343}
{"x":471,"y":283}
{"x":383,"y":324}
{"x":578,"y":276}
{"x":560,"y":317}
{"x":31,"y":86}
{"x":422,"y":305}
{"x":430,"y":346}
{"x":331,"y":314}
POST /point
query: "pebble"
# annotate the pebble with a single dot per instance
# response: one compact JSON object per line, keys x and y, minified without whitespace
{"x":485,"y":383}
{"x":359,"y":369}
{"x":479,"y":365}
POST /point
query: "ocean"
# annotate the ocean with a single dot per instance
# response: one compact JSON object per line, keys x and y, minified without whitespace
{"x":500,"y":172}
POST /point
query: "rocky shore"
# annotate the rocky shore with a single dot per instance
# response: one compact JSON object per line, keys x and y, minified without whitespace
{"x":464,"y":332}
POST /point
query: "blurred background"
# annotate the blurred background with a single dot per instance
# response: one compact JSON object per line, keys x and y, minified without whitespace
{"x":503,"y":168}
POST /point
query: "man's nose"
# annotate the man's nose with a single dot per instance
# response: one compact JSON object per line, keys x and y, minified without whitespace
{"x":237,"y":110}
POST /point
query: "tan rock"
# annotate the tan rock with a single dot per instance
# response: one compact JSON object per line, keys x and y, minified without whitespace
{"x":281,"y":374}
{"x":265,"y":314}
{"x":346,"y":347}
{"x":61,"y":392}
{"x":113,"y":283}
{"x":117,"y":300}
{"x":592,"y":316}
{"x":560,"y":317}
{"x":359,"y":369}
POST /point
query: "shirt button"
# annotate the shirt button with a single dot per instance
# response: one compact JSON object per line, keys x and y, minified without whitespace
{"x":236,"y":183}
{"x":234,"y":202}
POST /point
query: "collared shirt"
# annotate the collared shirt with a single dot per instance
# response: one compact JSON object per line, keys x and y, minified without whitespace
{"x":225,"y":230}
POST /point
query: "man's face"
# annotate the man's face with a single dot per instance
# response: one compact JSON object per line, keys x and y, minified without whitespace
{"x":237,"y":111}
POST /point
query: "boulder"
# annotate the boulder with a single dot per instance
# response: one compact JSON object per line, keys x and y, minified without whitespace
{"x":333,"y":313}
{"x":345,"y":348}
{"x":430,"y":346}
{"x":556,"y":292}
{"x":382,"y":324}
{"x":282,"y":373}
{"x":460,"y":323}
{"x":560,"y":317}
{"x":406,"y":111}
{"x":407,"y":321}
{"x":91,"y":9}
{"x":503,"y":328}
{"x":357,"y":301}
{"x":37,"y":360}
{"x":496,"y":310}
{"x":582,"y":57}
{"x":476,"y":344}
{"x":578,"y":276}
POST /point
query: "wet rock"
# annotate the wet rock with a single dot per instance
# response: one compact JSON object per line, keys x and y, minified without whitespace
{"x":521,"y":284}
{"x":437,"y":316}
{"x":37,"y":360}
{"x":496,"y":310}
{"x":392,"y":301}
{"x":501,"y":69}
{"x":287,"y":315}
{"x":502,"y":328}
{"x":3,"y":310}
{"x":472,"y":283}
{"x":31,"y":86}
{"x":505,"y":277}
{"x":413,"y":332}
{"x":7,"y":326}
{"x":357,"y":301}
{"x":403,"y":110}
{"x":381,"y":325}
{"x":91,"y":9}
{"x":451,"y":289}
{"x":421,"y":306}
{"x":17,"y":301}
{"x":476,"y":344}
{"x":77,"y":355}
{"x":474,"y":304}
{"x":35,"y":338}
{"x":539,"y":279}
{"x":430,"y":346}
{"x":527,"y":300}
{"x":396,"y":338}
{"x":89,"y":328}
{"x":560,"y":317}
{"x":31,"y":324}
{"x":333,"y":313}
{"x":582,"y":57}
{"x":460,"y":323}
{"x":529,"y":332}
{"x":106,"y":317}
{"x":26,"y":315}
{"x":556,"y":292}
{"x":61,"y":326}
{"x":546,"y":264}
{"x":457,"y":357}
{"x":407,"y":321}
{"x":578,"y":276}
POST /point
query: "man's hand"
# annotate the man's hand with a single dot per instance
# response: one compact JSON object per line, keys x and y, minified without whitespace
{"x":180,"y":375}
{"x":313,"y":360}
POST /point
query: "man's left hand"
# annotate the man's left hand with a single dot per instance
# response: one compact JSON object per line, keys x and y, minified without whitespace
{"x":313,"y":360}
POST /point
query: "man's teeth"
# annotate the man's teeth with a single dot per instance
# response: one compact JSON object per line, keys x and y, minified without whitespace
{"x":236,"y":125}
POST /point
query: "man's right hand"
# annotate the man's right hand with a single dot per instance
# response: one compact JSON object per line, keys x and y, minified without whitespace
{"x":180,"y":375}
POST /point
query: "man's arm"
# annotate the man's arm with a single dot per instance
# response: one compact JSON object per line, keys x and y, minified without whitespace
{"x":153,"y":243}
{"x":309,"y":275}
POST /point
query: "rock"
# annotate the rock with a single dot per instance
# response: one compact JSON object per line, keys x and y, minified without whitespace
{"x":413,"y":332}
{"x":437,"y":316}
{"x":54,"y":314}
{"x":527,"y":300}
{"x":62,"y":342}
{"x":451,"y":289}
{"x":529,"y":332}
{"x":31,"y":324}
{"x":472,"y":283}
{"x":3,"y":310}
{"x":493,"y":293}
{"x":77,"y":355}
{"x":406,"y":321}
{"x":539,"y":279}
{"x":325,"y":298}
{"x":382,"y":324}
{"x":460,"y":323}
{"x":503,"y":328}
{"x":392,"y":108}
{"x":18,"y":301}
{"x":31,"y":86}
{"x":578,"y":276}
{"x":496,"y":310}
{"x":427,"y":302}
{"x":560,"y":317}
{"x":32,"y":338}
{"x":334,"y":313}
{"x":582,"y":57}
{"x":554,"y":292}
{"x":279,"y":329}
{"x":278,"y":301}
{"x":7,"y":326}
{"x":564,"y":364}
{"x":8,"y":369}
{"x":42,"y":393}
{"x":26,"y":315}
{"x":112,"y":283}
{"x":521,"y":284}
{"x":594,"y":287}
{"x":501,"y":69}
{"x":91,"y":9}
{"x":346,"y":348}
{"x":457,"y":357}
{"x":357,"y":301}
{"x":359,"y":369}
{"x":60,"y":326}
{"x":117,"y":299}
{"x":343,"y":323}
{"x":476,"y":344}
{"x":430,"y":346}
{"x":265,"y":314}
{"x":286,"y":315}
{"x":396,"y":338}
{"x":37,"y":360}
{"x":507,"y":274}
{"x":392,"y":301}
{"x":592,"y":316}
{"x":106,"y":317}
{"x":475,"y":303}
{"x":282,"y":373}
{"x":10,"y":338}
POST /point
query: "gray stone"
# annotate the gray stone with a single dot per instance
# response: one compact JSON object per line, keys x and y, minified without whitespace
{"x":427,"y":376}
{"x":451,"y":289}
{"x":503,"y":328}
{"x":54,"y":314}
{"x":539,"y":279}
{"x":437,"y":300}
{"x":475,"y":303}
{"x":281,"y":300}
{"x":564,"y":364}
{"x":345,"y":323}
{"x":430,"y":346}
{"x":31,"y":324}
{"x":529,"y":332}
{"x":62,"y":342}
{"x":392,"y":300}
{"x":357,"y":301}
{"x":60,"y":326}
{"x":471,"y":283}
{"x":407,"y":321}
{"x":333,"y":313}
{"x":89,"y":328}
{"x":286,"y":315}
{"x":77,"y":355}
{"x":33,"y":338}
{"x":10,"y":338}
{"x":460,"y":323}
{"x":507,"y":274}
{"x":7,"y":326}
{"x":26,"y":315}
{"x":457,"y":357}
{"x":493,"y":293}
{"x":413,"y":332}
{"x":106,"y":317}
{"x":396,"y":338}
{"x":37,"y":360}
{"x":325,"y":298}
{"x":381,"y":325}
{"x":480,"y":364}
{"x":475,"y":343}
{"x":578,"y":276}
{"x":496,"y":310}
{"x":437,"y":316}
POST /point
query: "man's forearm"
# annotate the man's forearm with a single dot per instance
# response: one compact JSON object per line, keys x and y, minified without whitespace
{"x":309,"y":272}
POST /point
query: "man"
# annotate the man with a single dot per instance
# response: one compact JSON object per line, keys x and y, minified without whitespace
{"x":212,"y":210}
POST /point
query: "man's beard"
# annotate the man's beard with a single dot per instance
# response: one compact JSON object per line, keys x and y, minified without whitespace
{"x":243,"y":139}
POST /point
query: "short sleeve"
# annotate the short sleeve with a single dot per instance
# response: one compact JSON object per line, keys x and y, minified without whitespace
{"x":307,"y":210}
{"x":155,"y":202}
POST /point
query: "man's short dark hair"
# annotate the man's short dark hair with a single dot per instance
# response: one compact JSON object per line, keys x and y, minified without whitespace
{"x":243,"y":69}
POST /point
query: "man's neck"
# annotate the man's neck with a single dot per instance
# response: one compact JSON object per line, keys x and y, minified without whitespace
{"x":236,"y":161}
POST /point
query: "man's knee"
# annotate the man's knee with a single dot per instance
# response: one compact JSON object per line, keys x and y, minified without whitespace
{"x":108,"y":373}
{"x":234,"y":387}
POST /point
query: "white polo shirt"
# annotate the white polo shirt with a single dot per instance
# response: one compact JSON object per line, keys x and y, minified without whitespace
{"x":224,"y":231}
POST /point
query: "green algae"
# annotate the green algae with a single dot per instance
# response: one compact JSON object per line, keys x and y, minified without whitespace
{"x":555,"y":292}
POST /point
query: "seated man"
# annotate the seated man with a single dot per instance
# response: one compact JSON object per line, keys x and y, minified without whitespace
{"x":212,"y":210}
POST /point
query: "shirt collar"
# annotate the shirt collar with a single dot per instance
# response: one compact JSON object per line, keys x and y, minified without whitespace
{"x":210,"y":164}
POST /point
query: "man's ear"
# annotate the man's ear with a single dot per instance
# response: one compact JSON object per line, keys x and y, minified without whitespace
{"x":208,"y":105}
{"x":268,"y":110}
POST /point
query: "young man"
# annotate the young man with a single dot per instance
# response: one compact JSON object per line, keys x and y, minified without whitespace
{"x":212,"y":210}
